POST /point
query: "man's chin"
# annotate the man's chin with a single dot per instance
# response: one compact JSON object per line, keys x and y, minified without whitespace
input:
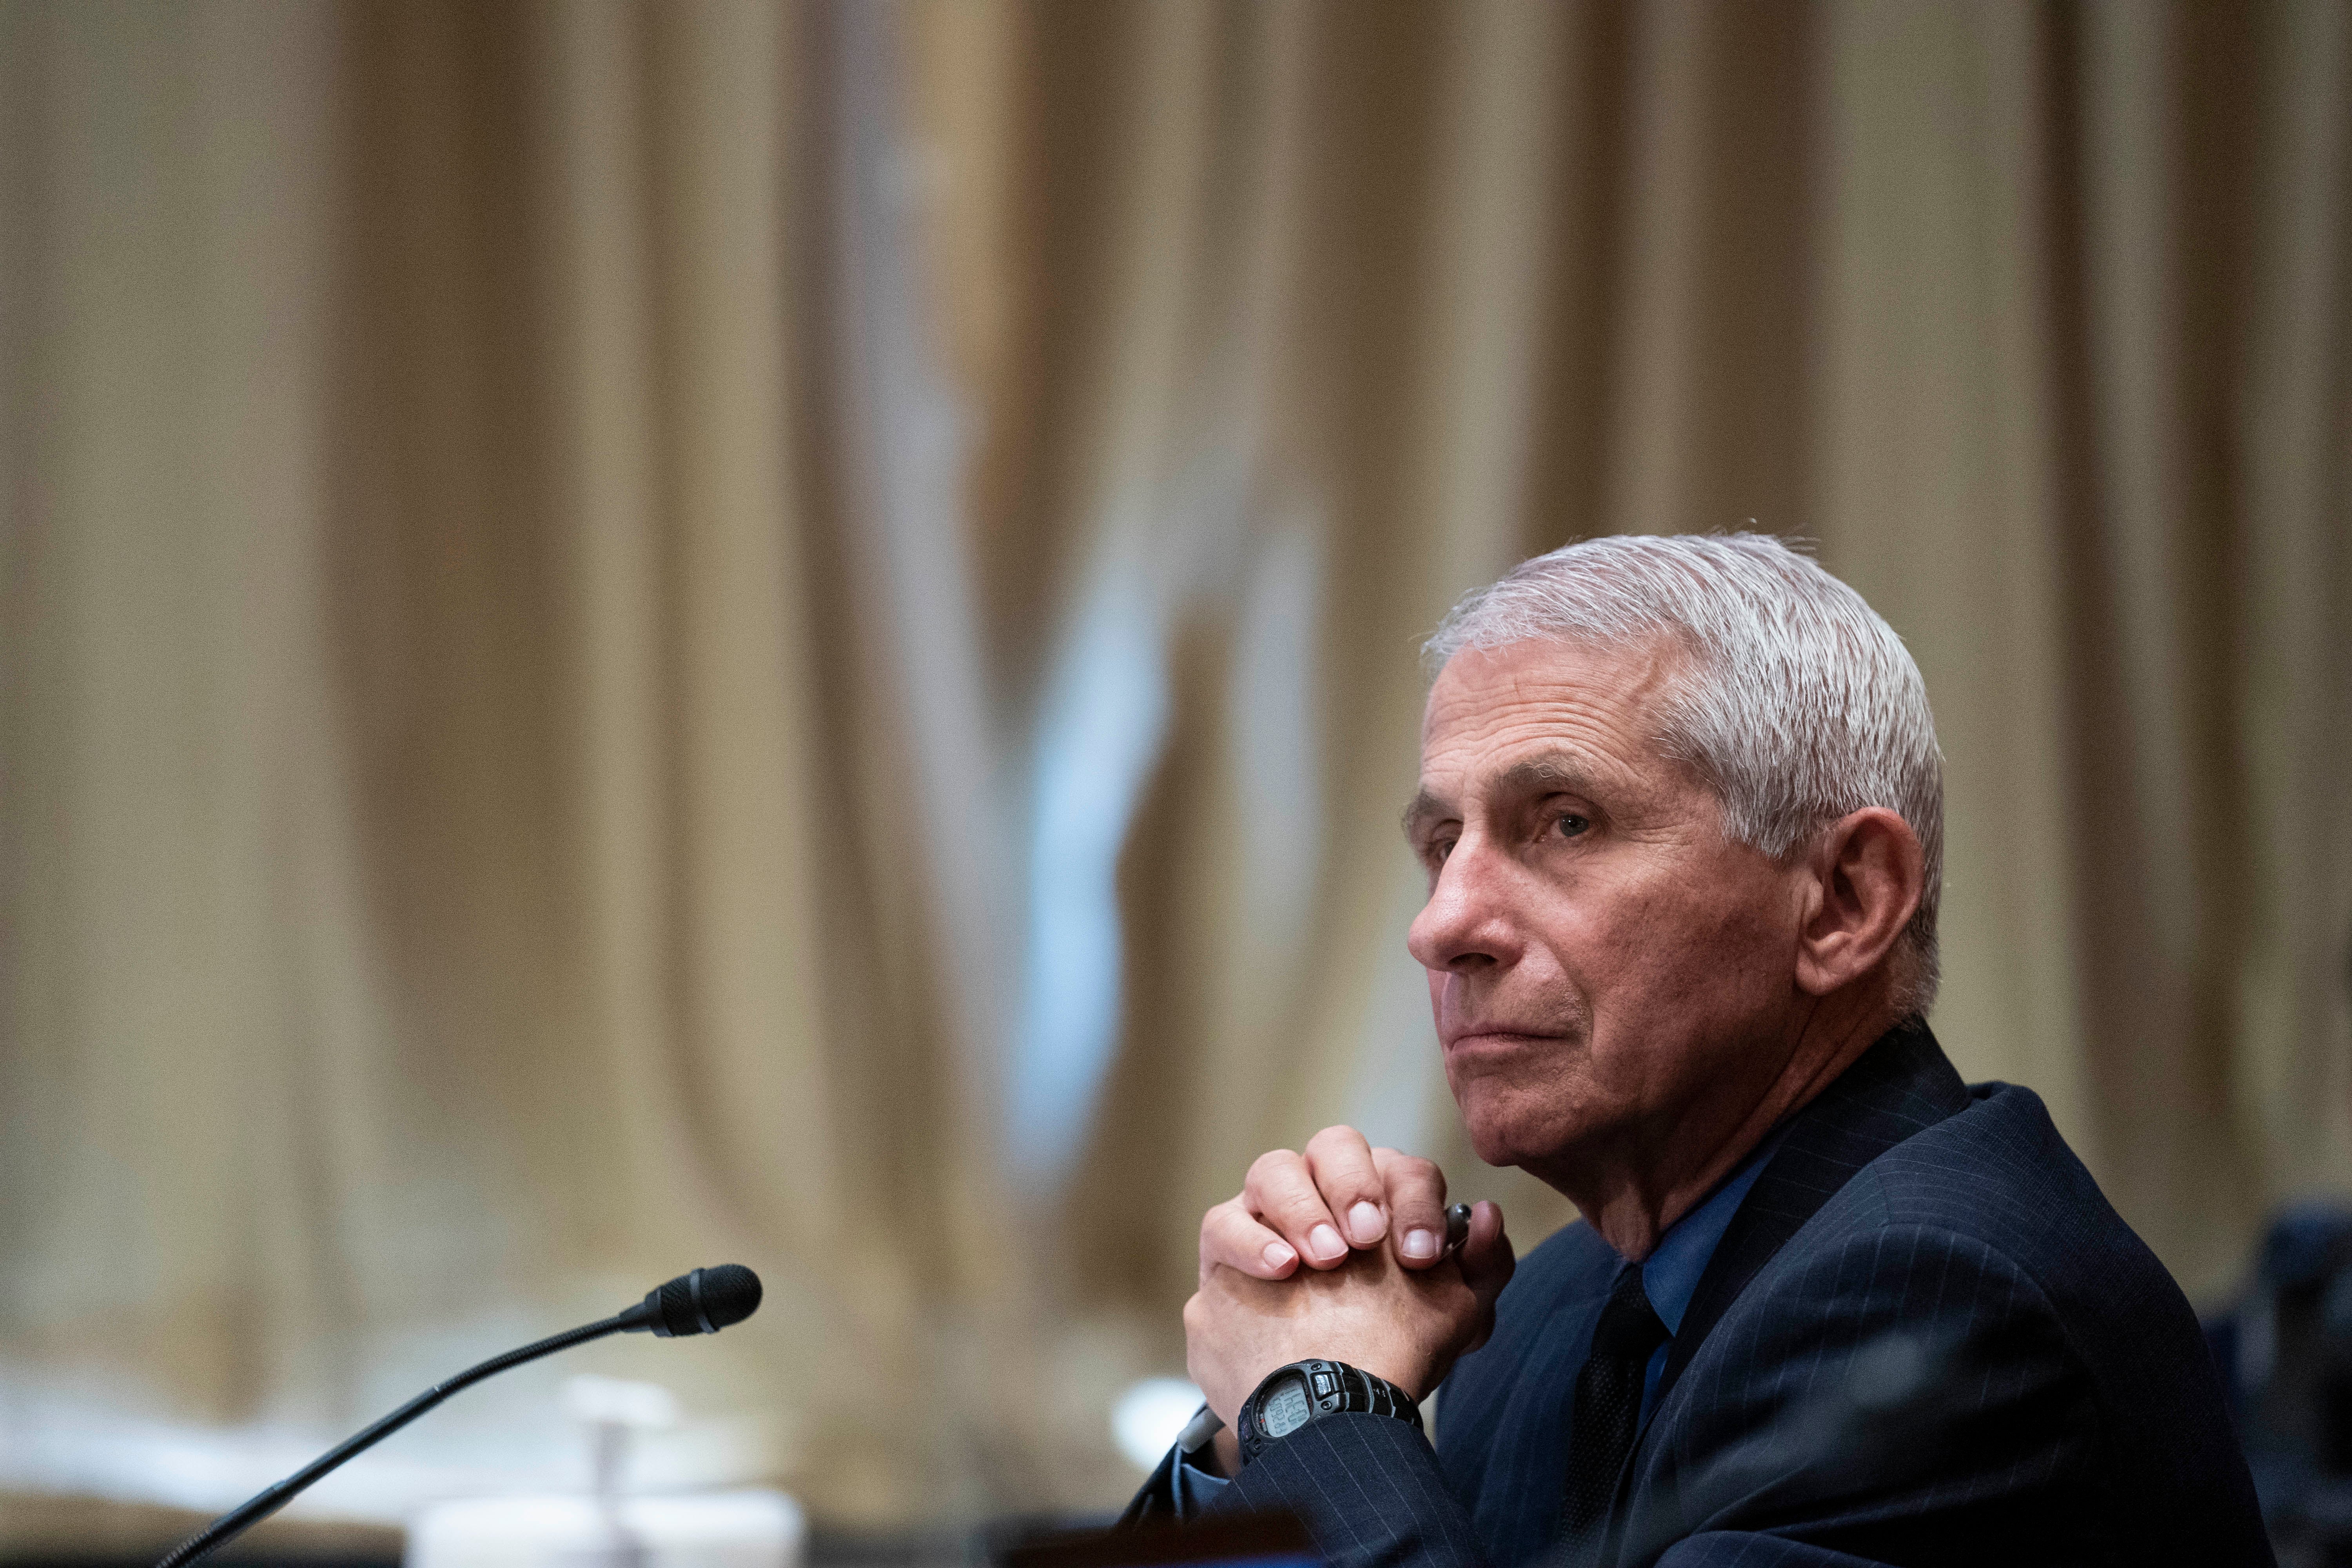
{"x":1520,"y":1104}
{"x":1508,"y":1134}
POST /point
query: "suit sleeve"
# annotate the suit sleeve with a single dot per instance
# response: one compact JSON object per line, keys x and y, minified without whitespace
{"x":1903,"y":1393}
{"x":1160,"y":1501}
{"x":1369,"y":1490}
{"x":1176,"y":1491}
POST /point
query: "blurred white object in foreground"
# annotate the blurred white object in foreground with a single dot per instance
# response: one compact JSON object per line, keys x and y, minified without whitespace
{"x":615,"y":1401}
{"x":1149,"y":1414}
{"x":710,"y":1530}
{"x":614,"y":1412}
{"x":715,"y":1529}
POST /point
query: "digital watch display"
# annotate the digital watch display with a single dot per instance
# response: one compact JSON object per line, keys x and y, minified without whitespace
{"x":1286,"y":1409}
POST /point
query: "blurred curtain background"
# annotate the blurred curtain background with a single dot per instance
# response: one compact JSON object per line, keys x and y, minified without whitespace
{"x":641,"y":634}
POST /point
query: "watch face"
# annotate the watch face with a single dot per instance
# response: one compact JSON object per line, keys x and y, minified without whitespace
{"x":1286,"y":1409}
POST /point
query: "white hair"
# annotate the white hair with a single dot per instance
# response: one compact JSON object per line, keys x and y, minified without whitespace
{"x":1800,"y":705}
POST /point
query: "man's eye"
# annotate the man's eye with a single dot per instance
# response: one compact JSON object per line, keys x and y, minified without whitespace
{"x":1571,"y":824}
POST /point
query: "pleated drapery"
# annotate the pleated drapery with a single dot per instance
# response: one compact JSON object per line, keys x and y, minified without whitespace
{"x":637,"y":636}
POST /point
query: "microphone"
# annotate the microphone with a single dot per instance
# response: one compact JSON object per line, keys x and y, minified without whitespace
{"x":701,"y":1302}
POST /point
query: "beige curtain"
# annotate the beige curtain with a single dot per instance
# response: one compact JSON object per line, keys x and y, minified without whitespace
{"x":642,"y":634}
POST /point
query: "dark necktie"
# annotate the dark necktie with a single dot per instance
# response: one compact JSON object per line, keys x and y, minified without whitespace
{"x":1609,"y":1403}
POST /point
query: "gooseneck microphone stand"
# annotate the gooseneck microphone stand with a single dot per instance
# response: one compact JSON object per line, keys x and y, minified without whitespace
{"x":702,"y":1302}
{"x":262,"y":1504}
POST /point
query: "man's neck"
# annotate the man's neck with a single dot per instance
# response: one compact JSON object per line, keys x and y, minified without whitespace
{"x":1633,"y":1195}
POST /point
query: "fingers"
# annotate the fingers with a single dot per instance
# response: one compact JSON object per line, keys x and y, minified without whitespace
{"x":1339,"y":1194}
{"x":1349,"y":1179}
{"x":1324,"y":1202}
{"x":1416,"y":1193}
{"x":1231,"y":1236}
{"x":1280,"y":1193}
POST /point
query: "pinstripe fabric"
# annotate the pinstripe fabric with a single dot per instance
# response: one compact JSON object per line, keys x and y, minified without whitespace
{"x":1924,"y":1338}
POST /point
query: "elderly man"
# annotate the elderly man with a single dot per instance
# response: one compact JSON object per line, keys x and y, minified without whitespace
{"x":1681,"y":811}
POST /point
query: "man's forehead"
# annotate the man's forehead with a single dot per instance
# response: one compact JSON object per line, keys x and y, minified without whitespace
{"x":1536,"y":708}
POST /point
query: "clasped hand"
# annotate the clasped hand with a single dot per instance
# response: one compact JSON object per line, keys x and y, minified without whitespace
{"x":1377,"y":1289}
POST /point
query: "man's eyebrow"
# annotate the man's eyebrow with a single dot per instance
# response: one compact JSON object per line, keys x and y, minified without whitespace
{"x":1548,"y":771}
{"x":1551,"y":771}
{"x":1418,"y":813}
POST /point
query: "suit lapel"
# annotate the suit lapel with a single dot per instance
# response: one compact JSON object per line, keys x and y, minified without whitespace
{"x":1904,"y":1084}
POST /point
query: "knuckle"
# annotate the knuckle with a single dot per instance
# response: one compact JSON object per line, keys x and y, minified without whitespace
{"x":1342,"y":1168}
{"x":1408,"y":1175}
{"x":1299,"y":1210}
{"x":1291,"y":1194}
{"x":1271,"y":1165}
{"x":1333,"y":1140}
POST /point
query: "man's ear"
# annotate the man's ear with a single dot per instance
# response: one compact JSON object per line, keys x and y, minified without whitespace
{"x":1869,"y":874}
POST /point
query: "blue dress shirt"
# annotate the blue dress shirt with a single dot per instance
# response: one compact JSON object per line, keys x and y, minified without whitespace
{"x":1670,"y":1278}
{"x":1670,"y":1275}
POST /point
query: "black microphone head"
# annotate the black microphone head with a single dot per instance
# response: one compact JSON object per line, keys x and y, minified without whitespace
{"x":702,"y":1302}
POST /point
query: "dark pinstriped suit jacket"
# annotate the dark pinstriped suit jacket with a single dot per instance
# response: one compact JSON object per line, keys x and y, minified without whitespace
{"x":1924,"y":1338}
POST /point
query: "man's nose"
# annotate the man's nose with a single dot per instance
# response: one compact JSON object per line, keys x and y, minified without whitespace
{"x":1465,"y":926}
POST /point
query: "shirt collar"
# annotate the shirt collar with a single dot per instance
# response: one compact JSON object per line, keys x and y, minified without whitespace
{"x":1670,"y":1275}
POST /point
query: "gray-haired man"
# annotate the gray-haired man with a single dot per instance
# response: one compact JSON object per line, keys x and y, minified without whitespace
{"x":1681,"y":810}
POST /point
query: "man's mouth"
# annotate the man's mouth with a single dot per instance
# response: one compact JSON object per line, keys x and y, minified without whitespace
{"x":1497,"y":1039}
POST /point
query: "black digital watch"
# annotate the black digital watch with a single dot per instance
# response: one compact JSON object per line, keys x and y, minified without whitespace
{"x":1305,"y":1391}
